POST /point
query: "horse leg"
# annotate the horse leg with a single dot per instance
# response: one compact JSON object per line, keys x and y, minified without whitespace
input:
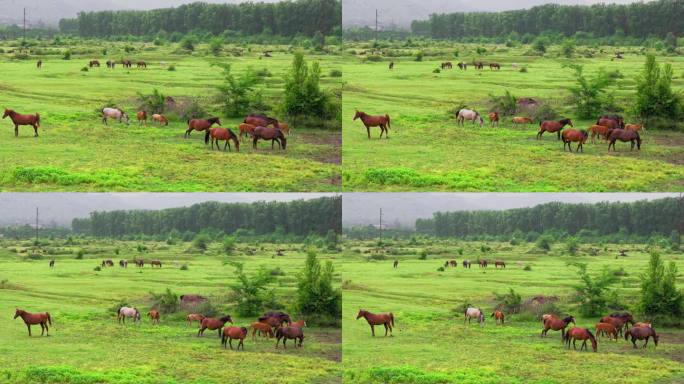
{"x":224,"y":147}
{"x":372,"y":330}
{"x":230,"y":342}
{"x":385,"y":329}
{"x":16,"y":130}
{"x":219,"y":332}
{"x":284,"y":342}
{"x":29,"y":329}
{"x":35,"y":132}
{"x":42,"y":329}
{"x":368,"y":131}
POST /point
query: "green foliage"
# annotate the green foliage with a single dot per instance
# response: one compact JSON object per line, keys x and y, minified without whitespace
{"x":670,"y":42}
{"x":572,"y":245}
{"x":171,"y":68}
{"x":544,"y":242}
{"x":235,"y":91}
{"x":540,"y":44}
{"x":509,"y":302}
{"x":165,"y":302}
{"x":655,"y":97}
{"x":335,"y":73}
{"x":188,"y":43}
{"x":659,"y":294}
{"x":592,"y":294}
{"x":184,"y":267}
{"x":423,"y":254}
{"x":481,"y":50}
{"x":675,"y":240}
{"x":568,"y":47}
{"x":251,"y":293}
{"x":505,"y":105}
{"x":201,"y":241}
{"x":318,"y":41}
{"x":228,"y":244}
{"x":589,"y":95}
{"x":67,"y":55}
{"x":80,"y":254}
{"x":303,"y":95}
{"x":216,"y":46}
{"x":155,"y":102}
{"x":331,"y":239}
{"x":316,"y":296}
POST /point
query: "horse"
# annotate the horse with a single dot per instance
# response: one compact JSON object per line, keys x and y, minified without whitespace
{"x":468,"y":114}
{"x":453,"y":263}
{"x":522,"y":120}
{"x":35,"y":318}
{"x":201,"y":125}
{"x":283,"y":127}
{"x":159,"y":118}
{"x":553,"y":126}
{"x":194,"y":317}
{"x":123,"y":263}
{"x":618,"y":320}
{"x":260,"y":120}
{"x":213,"y":323}
{"x":273,"y":134}
{"x":275,"y":319}
{"x":577,"y":333}
{"x":246,"y":130}
{"x":114,"y":113}
{"x":395,"y":264}
{"x":548,"y":316}
{"x":126,"y":63}
{"x":498,"y":316}
{"x":107,"y":263}
{"x":391,"y":65}
{"x":139,"y":263}
{"x":493,"y":118}
{"x":263,"y":329}
{"x":374,"y":121}
{"x":39,"y":64}
{"x":94,"y":63}
{"x":483,"y":263}
{"x":556,"y":324}
{"x":617,"y":118}
{"x":642,"y":324}
{"x":154,"y":316}
{"x":298,"y":323}
{"x":635,"y":127}
{"x":624,"y":135}
{"x":237,"y":333}
{"x":466,"y":264}
{"x":19,"y":119}
{"x":610,"y":123}
{"x":462,"y":66}
{"x":142,"y":116}
{"x":224,"y":134}
{"x":110,"y":64}
{"x":573,"y":135}
{"x":599,"y":130}
{"x":606,"y":329}
{"x":285,"y":333}
{"x":471,"y":313}
{"x":385,"y":319}
{"x":478,"y":65}
{"x":155,"y":262}
{"x":141,"y":64}
{"x":493,"y":66}
{"x":499,"y":263}
{"x":52,"y":263}
{"x":642,"y":333}
{"x":124,"y":312}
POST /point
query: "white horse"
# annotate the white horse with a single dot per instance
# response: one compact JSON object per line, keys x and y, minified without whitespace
{"x":468,"y":114}
{"x":114,"y":113}
{"x":474,"y":313}
{"x":125,"y":312}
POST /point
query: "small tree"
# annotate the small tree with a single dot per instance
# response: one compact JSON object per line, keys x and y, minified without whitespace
{"x":659,"y":293}
{"x":251,"y":293}
{"x":166,"y":302}
{"x":670,"y":42}
{"x":303,"y":95}
{"x":675,"y":240}
{"x":506,"y":104}
{"x":509,"y":302}
{"x":568,"y":47}
{"x":188,"y":43}
{"x":318,"y":41}
{"x":228,"y":244}
{"x":654,"y":96}
{"x":544,"y":242}
{"x":572,"y":245}
{"x":331,"y":239}
{"x":216,"y":46}
{"x":235,"y":91}
{"x":152,"y":103}
{"x":201,"y":241}
{"x":315,"y":294}
{"x":589,"y":95}
{"x":592,"y":293}
{"x":540,"y":44}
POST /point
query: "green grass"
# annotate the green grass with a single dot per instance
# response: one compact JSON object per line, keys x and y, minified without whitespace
{"x":427,"y":151}
{"x":86,"y":345}
{"x":431,"y":344}
{"x":76,"y":152}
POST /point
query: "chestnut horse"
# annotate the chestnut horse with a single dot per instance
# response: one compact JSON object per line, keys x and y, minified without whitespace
{"x":556,"y":324}
{"x":154,"y":316}
{"x":494,"y":66}
{"x":619,"y":121}
{"x":619,"y":320}
{"x":642,"y":333}
{"x":498,"y":316}
{"x":224,"y":134}
{"x":246,"y":130}
{"x":494,"y":118}
{"x":385,"y":319}
{"x":194,"y":317}
{"x":599,"y":130}
{"x":553,"y":126}
{"x":213,"y":323}
{"x":499,"y":263}
{"x":522,"y":120}
{"x":35,"y":318}
{"x":273,"y":134}
{"x":574,"y":135}
{"x":298,"y":323}
{"x":39,"y":64}
{"x":260,"y":120}
{"x":201,"y":124}
{"x":237,"y":333}
{"x":374,"y":121}
{"x":283,"y":127}
{"x":155,"y":262}
{"x":577,"y":333}
{"x":142,"y":116}
{"x":285,"y":333}
{"x":624,"y":135}
{"x":275,"y":319}
{"x":19,"y":119}
{"x":263,"y":329}
{"x":606,"y":329}
{"x":159,"y":118}
{"x":635,"y":127}
{"x":610,"y":123}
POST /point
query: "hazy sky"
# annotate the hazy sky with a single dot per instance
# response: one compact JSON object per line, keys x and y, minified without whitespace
{"x":405,"y":208}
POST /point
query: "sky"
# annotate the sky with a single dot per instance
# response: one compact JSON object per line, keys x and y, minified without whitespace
{"x":405,"y":208}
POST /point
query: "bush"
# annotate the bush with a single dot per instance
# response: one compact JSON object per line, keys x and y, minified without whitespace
{"x":572,"y":245}
{"x":201,"y":241}
{"x":228,"y":244}
{"x":659,"y":294}
{"x":188,"y":43}
{"x":171,"y":68}
{"x":419,"y":56}
{"x":544,"y":242}
{"x":97,"y":269}
{"x":235,"y":92}
{"x":251,"y":293}
{"x":335,"y":73}
{"x":655,"y":97}
{"x":166,"y":302}
{"x":80,"y":254}
{"x":528,"y":267}
{"x":523,"y":70}
{"x":436,"y":70}
{"x":184,"y":267}
{"x":592,"y":293}
{"x":423,"y":255}
{"x":506,"y":104}
{"x":374,"y":58}
{"x":509,"y":302}
{"x":155,"y":102}
{"x":67,"y":55}
{"x":315,"y":292}
{"x":84,"y":69}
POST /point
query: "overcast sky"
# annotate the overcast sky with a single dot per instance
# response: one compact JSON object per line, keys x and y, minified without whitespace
{"x":405,"y":208}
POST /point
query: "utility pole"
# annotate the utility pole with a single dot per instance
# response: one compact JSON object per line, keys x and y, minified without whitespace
{"x":36,"y":224}
{"x":380,"y":225}
{"x":376,"y":26}
{"x":24,"y":24}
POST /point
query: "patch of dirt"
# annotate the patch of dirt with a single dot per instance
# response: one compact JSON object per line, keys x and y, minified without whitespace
{"x":672,"y":338}
{"x":334,"y":338}
{"x":333,"y":156}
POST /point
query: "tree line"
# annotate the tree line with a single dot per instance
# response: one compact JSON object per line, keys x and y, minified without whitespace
{"x":300,"y":218}
{"x":286,"y":18}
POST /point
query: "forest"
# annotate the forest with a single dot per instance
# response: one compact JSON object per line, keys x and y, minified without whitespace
{"x":300,"y":218}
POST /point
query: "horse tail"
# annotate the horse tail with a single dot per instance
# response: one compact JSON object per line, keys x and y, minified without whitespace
{"x":37,"y":119}
{"x":206,"y":136}
{"x":388,"y":121}
{"x":391,"y":316}
{"x":49,"y":319}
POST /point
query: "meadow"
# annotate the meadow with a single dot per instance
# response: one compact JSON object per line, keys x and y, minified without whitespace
{"x":77,"y":152}
{"x":431,"y":343}
{"x":427,"y":151}
{"x":86,"y":345}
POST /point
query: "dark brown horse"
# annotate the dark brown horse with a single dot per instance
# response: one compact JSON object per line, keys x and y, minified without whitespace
{"x":273,"y":134}
{"x":577,"y":333}
{"x":293,"y":333}
{"x":462,"y":66}
{"x":618,"y":320}
{"x":556,"y":324}
{"x":213,"y":323}
{"x":466,"y":264}
{"x":483,"y":263}
{"x":619,"y":121}
{"x":553,"y":126}
{"x":155,"y":263}
{"x":39,"y":64}
{"x":395,"y":264}
{"x":275,"y":318}
{"x":111,"y":64}
{"x":94,"y":63}
{"x":391,"y":65}
{"x":218,"y":134}
{"x":493,"y":66}
{"x":52,"y":263}
{"x":126,"y":63}
{"x":260,"y":120}
{"x":142,"y":64}
{"x":201,"y":124}
{"x":19,"y":119}
{"x":624,"y":135}
{"x":579,"y":136}
{"x":499,"y":263}
{"x":609,"y":123}
{"x":35,"y":318}
{"x":478,"y":65}
{"x":374,"y":121}
{"x":385,"y":319}
{"x":642,"y":333}
{"x":237,"y":333}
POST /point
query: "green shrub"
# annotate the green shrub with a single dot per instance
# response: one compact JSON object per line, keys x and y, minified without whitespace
{"x":335,"y":73}
{"x":79,"y":254}
{"x":165,"y":302}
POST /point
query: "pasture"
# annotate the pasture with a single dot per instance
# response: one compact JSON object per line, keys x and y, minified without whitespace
{"x":427,"y":151}
{"x":77,"y":152}
{"x":86,"y":345}
{"x":431,"y":344}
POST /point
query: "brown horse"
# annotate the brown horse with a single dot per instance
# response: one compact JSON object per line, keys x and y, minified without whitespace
{"x":619,"y":121}
{"x":642,"y":324}
{"x":201,"y":124}
{"x":142,"y":64}
{"x":283,"y":127}
{"x":553,"y":126}
{"x":599,"y":130}
{"x":522,"y":120}
{"x":499,"y":263}
{"x":293,"y":333}
{"x":498,"y":316}
{"x":159,"y":118}
{"x":374,"y":121}
{"x":260,"y":120}
{"x":218,"y":134}
{"x":194,"y":317}
{"x":35,"y":318}
{"x":155,"y":262}
{"x":39,"y":64}
{"x":466,"y":264}
{"x":385,"y":319}
{"x":462,"y":66}
{"x":610,"y":123}
{"x":107,"y":263}
{"x":574,"y":135}
{"x":213,"y":323}
{"x":298,"y":323}
{"x":478,"y":65}
{"x":635,"y":127}
{"x":494,"y":118}
{"x":624,"y":135}
{"x":154,"y":316}
{"x":642,"y":333}
{"x":246,"y":130}
{"x":577,"y":333}
{"x":619,"y":320}
{"x":263,"y":329}
{"x":273,"y":134}
{"x":606,"y":329}
{"x":142,"y":116}
{"x":391,"y":65}
{"x":94,"y":63}
{"x":493,"y":66}
{"x":556,"y":324}
{"x":483,"y":263}
{"x":126,"y":63}
{"x":275,"y":319}
{"x":19,"y":119}
{"x":237,"y":333}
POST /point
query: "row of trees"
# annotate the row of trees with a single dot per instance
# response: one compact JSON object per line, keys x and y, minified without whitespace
{"x":286,"y":18}
{"x":301,"y":218}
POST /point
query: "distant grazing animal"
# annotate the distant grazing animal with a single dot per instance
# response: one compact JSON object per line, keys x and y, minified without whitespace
{"x":52,"y":263}
{"x":110,"y":64}
{"x":577,"y":333}
{"x":194,"y":317}
{"x":642,"y":333}
{"x":142,"y":117}
{"x":396,"y":263}
{"x":123,"y":263}
{"x":298,"y":323}
{"x":114,"y":113}
{"x":468,"y":114}
{"x":36,"y":318}
{"x":124,"y":312}
{"x":94,"y":63}
{"x":494,"y":118}
{"x":478,"y":65}
{"x":246,"y":130}
{"x":155,"y":262}
{"x":126,"y":63}
{"x":154,"y":316}
{"x":374,"y":121}
{"x":159,"y":118}
{"x":522,"y":120}
{"x":467,"y":264}
{"x":201,"y":124}
{"x":391,"y":65}
{"x":606,"y":329}
{"x":447,"y":65}
{"x":231,"y":333}
{"x":476,"y":313}
{"x":498,"y":316}
{"x":624,"y":135}
{"x":553,"y":126}
{"x":453,"y":263}
{"x":273,"y":134}
{"x":574,"y":135}
{"x":599,"y":130}
{"x":260,"y":120}
{"x":462,"y":66}
{"x":293,"y":333}
{"x":635,"y":127}
{"x":142,"y":64}
{"x":213,"y":323}
{"x":263,"y":329}
{"x":494,"y":66}
{"x":384,"y":319}
{"x":39,"y":64}
{"x":619,"y":120}
{"x":556,"y":324}
{"x":19,"y":119}
{"x":139,"y":263}
{"x":107,"y":263}
{"x":483,"y":263}
{"x":221,"y":134}
{"x":446,"y":264}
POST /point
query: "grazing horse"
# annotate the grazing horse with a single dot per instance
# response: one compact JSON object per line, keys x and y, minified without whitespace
{"x":126,"y":63}
{"x":124,"y":312}
{"x":52,"y":263}
{"x":114,"y":113}
{"x":391,"y":65}
{"x":159,"y":118}
{"x":548,"y":316}
{"x":94,"y":63}
{"x":19,"y":119}
{"x":555,"y":324}
{"x":499,"y":263}
{"x":635,"y":127}
{"x":641,"y":333}
{"x":142,"y":116}
{"x":213,"y":323}
{"x":107,"y":263}
{"x":610,"y":123}
{"x":261,"y":120}
{"x":263,"y":329}
{"x":285,"y":333}
{"x":139,"y":263}
{"x":123,"y":263}
{"x":453,"y":263}
{"x":275,"y":319}
{"x":246,"y":130}
{"x":237,"y":333}
{"x":154,"y":316}
{"x":200,"y":125}
{"x":478,"y":65}
{"x":155,"y":262}
{"x":468,"y":114}
{"x":498,"y":316}
{"x":447,"y":65}
{"x":111,"y":64}
{"x":494,"y":118}
{"x":224,"y":134}
{"x":522,"y":120}
{"x":553,"y":126}
{"x":39,"y":64}
{"x":471,"y":313}
{"x":462,"y":66}
{"x":618,"y":320}
{"x":374,"y":121}
{"x":396,"y":263}
{"x":483,"y":263}
{"x":606,"y":329}
{"x":599,"y":130}
{"x":273,"y":134}
{"x":574,"y":135}
{"x":283,"y":127}
{"x":194,"y":317}
{"x":142,"y":64}
{"x":35,"y":318}
{"x":616,"y":118}
{"x":494,"y":66}
{"x":385,"y":319}
{"x":642,"y":324}
{"x":624,"y":135}
{"x":466,"y":264}
{"x":577,"y":333}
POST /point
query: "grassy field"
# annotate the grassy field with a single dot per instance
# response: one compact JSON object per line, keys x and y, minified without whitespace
{"x":427,"y":151}
{"x":76,"y":152}
{"x":431,"y":344}
{"x":86,"y":345}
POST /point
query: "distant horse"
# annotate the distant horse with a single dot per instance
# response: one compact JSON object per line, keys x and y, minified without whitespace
{"x":498,"y":316}
{"x":39,"y":64}
{"x":478,"y":65}
{"x":194,"y":317}
{"x":374,"y":121}
{"x":139,"y":263}
{"x":126,"y":63}
{"x":263,"y":329}
{"x":260,"y":120}
{"x":384,"y":319}
{"x":483,"y":263}
{"x":273,"y":134}
{"x":474,"y":313}
{"x":624,"y":135}
{"x":635,"y":127}
{"x":213,"y":323}
{"x":114,"y":113}
{"x":446,"y":264}
{"x":396,"y":263}
{"x":462,"y":66}
{"x":124,"y":312}
{"x":159,"y":118}
{"x":142,"y":117}
{"x":574,"y":135}
{"x":642,"y":333}
{"x":111,"y":64}
{"x":141,"y":64}
{"x":493,"y":66}
{"x":619,"y":120}
{"x":577,"y":333}
{"x":556,"y":324}
{"x":466,"y":264}
{"x":94,"y":63}
{"x":599,"y":130}
{"x":36,"y":318}
{"x":107,"y":263}
{"x":499,"y":263}
{"x":293,"y":333}
{"x":553,"y":126}
{"x":246,"y":130}
{"x":391,"y":65}
{"x":154,"y":316}
{"x":201,"y":125}
{"x":237,"y":333}
{"x":123,"y":263}
{"x":447,"y":65}
{"x":494,"y":118}
{"x":52,"y":263}
{"x":19,"y":119}
{"x":606,"y":329}
{"x":453,"y":263}
{"x":218,"y":134}
{"x":522,"y":120}
{"x":468,"y":114}
{"x":155,"y":262}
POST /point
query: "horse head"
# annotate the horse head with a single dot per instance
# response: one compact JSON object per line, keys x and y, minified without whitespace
{"x":226,"y":319}
{"x":357,"y":114}
{"x":655,"y":337}
{"x":569,"y":319}
{"x":7,"y":113}
{"x":361,"y":314}
{"x":567,"y":122}
{"x":20,"y":312}
{"x":593,"y":340}
{"x":214,"y":120}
